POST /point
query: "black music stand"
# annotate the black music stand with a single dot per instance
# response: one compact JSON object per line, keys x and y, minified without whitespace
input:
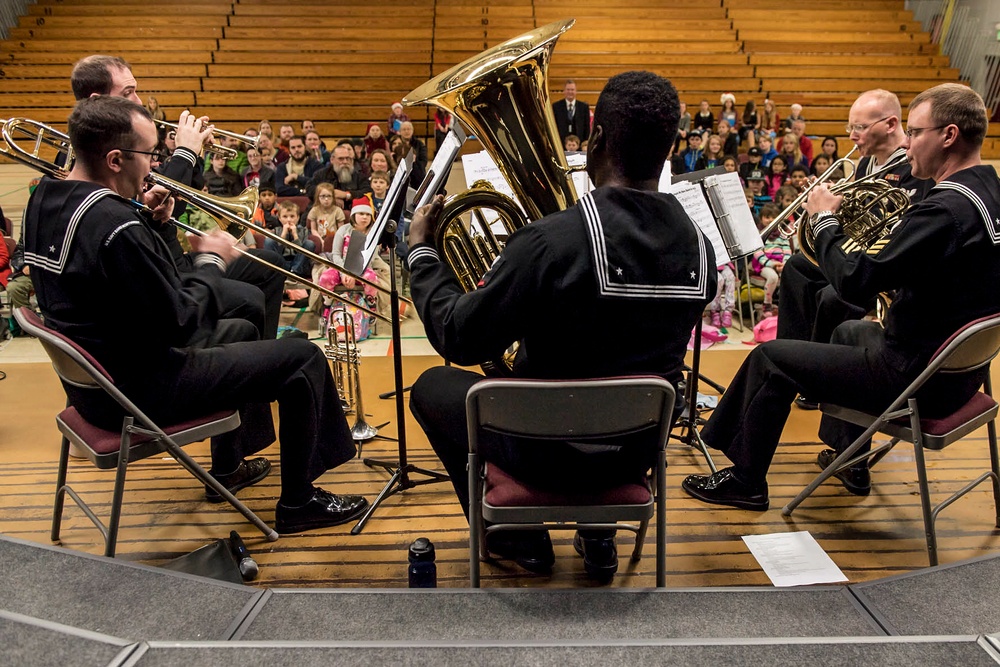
{"x":400,"y":469}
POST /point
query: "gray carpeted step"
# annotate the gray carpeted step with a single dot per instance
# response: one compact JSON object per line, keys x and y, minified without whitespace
{"x":888,"y":652}
{"x":955,"y":599}
{"x":28,"y":642}
{"x":510,"y":615}
{"x":117,"y":598}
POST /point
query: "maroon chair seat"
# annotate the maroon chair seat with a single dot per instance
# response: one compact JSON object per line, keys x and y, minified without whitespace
{"x":503,"y":490}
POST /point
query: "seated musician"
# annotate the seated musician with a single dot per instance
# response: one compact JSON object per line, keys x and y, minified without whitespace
{"x":954,"y":229}
{"x":624,"y":249}
{"x":85,"y":241}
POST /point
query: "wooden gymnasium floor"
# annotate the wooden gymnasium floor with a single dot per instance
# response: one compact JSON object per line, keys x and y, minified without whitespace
{"x":166,"y":515}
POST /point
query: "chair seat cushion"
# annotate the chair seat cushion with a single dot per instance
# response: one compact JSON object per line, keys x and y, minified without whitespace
{"x":108,"y":442}
{"x":977,"y":405}
{"x":503,"y":490}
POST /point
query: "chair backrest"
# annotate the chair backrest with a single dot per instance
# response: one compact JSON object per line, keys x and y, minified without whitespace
{"x":11,"y":244}
{"x":72,"y":363}
{"x":971,"y":347}
{"x":300,"y":200}
{"x":570,"y":409}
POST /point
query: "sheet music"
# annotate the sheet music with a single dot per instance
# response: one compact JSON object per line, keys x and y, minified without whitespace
{"x":727,"y":199}
{"x":696,"y":206}
{"x":396,"y":189}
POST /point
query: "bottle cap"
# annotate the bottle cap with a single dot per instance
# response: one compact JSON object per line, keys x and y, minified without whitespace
{"x":422,"y":549}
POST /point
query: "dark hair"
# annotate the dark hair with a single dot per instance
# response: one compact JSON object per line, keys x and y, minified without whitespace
{"x":799,"y":167}
{"x":836,"y":148}
{"x":101,"y":124}
{"x":770,"y":210}
{"x":93,"y":75}
{"x":638,"y":112}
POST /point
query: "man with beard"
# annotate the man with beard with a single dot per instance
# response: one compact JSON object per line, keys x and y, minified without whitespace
{"x":348,"y":183}
{"x":292,"y":176}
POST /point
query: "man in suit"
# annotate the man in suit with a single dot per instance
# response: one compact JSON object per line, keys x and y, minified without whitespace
{"x":572,"y":115}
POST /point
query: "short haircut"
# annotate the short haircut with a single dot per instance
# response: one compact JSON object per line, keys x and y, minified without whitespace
{"x":638,"y":113}
{"x":101,"y":124}
{"x":955,"y":104}
{"x":298,"y":137}
{"x":799,"y":167}
{"x":788,"y":190}
{"x":344,"y":144}
{"x":288,"y":206}
{"x":93,"y":75}
{"x":769,"y":210}
{"x":379,"y":174}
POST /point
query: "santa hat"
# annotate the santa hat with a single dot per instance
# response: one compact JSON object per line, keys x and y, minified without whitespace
{"x":397,"y":104}
{"x":728,"y":96}
{"x":361,"y":205}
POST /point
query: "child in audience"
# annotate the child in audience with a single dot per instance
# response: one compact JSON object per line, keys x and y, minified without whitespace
{"x":791,"y":151}
{"x":296,"y":235}
{"x":777,"y":174}
{"x":767,"y":151}
{"x":683,"y":127}
{"x":757,"y":184}
{"x":728,"y":112}
{"x":820,"y":164}
{"x":768,"y":262}
{"x":220,"y":180}
{"x":798,"y":177}
{"x":374,"y":139}
{"x":325,"y":217}
{"x":721,"y":308}
{"x":704,"y":120}
{"x":256,"y":172}
{"x":754,"y":157}
{"x":749,"y":123}
{"x":571,"y":143}
{"x":380,"y":186}
{"x":264,"y":129}
{"x":396,"y":118}
{"x":730,"y":142}
{"x":712,"y":155}
{"x":692,"y":154}
{"x":730,"y":163}
{"x":266,"y":214}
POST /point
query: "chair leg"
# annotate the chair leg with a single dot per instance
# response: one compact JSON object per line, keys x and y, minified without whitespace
{"x":119,"y":490}
{"x":661,"y":521}
{"x":57,"y":508}
{"x":640,"y":540}
{"x":925,"y":497}
{"x":477,"y":537}
{"x":991,"y":428}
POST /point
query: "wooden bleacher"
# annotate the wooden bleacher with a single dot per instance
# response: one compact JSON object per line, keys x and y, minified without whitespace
{"x":243,"y":60}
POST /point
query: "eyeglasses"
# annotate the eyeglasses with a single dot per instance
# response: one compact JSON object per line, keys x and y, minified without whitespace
{"x":859,"y":128}
{"x":156,"y":155}
{"x":914,"y":131}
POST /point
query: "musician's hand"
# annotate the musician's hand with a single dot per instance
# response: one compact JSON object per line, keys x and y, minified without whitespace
{"x":821,"y":199}
{"x":425,"y":221}
{"x":193,"y":132}
{"x":217,"y":242}
{"x":159,"y":201}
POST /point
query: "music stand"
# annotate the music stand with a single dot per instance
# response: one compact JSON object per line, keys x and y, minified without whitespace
{"x":392,"y":211}
{"x":724,"y":221}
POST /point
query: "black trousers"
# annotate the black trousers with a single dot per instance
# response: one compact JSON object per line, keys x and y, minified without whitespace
{"x":810,"y":308}
{"x":248,"y":376}
{"x":856,"y":370}
{"x":437,"y":401}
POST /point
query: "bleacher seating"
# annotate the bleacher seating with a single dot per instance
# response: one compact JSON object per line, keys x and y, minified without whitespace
{"x":244,"y":60}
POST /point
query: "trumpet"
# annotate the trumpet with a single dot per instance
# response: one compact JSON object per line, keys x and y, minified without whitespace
{"x":218,"y":149}
{"x":229,"y":213}
{"x":347,"y":374}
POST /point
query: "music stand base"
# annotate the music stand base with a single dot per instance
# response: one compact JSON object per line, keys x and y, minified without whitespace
{"x":691,"y":420}
{"x":399,"y":481}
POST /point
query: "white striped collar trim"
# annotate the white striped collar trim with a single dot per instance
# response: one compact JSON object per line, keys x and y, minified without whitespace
{"x":56,"y":265}
{"x":602,"y":268}
{"x":977,"y":202}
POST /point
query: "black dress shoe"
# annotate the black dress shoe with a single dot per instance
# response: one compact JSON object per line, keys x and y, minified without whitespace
{"x":856,"y":479}
{"x":600,"y":556}
{"x":722,"y":488}
{"x":531,"y":549}
{"x":804,"y":403}
{"x":249,"y":473}
{"x":323,"y":510}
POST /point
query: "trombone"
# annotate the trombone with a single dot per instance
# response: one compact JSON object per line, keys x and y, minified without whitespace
{"x":227,"y":212}
{"x":224,"y":151}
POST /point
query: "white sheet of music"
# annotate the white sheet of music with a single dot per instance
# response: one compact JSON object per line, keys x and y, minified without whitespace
{"x":696,"y":206}
{"x":727,"y":199}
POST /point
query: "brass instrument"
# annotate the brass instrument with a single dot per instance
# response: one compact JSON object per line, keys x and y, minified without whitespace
{"x":218,"y":149}
{"x":232,"y":214}
{"x":502,"y":95}
{"x":347,"y":373}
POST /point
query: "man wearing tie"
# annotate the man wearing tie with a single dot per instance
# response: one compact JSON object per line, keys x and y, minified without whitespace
{"x":572,"y":115}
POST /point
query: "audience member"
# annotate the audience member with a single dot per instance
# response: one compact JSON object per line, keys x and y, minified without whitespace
{"x":571,"y":144}
{"x":730,"y":142}
{"x":419,"y":167}
{"x":442,"y":123}
{"x":704,"y":120}
{"x":753,"y":162}
{"x":768,"y":262}
{"x":266,"y":214}
{"x":396,"y":118}
{"x":256,"y":172}
{"x":770,"y":123}
{"x":264,"y":129}
{"x":798,"y":177}
{"x":153,"y":107}
{"x":220,"y":180}
{"x":796,"y":114}
{"x":325,"y":216}
{"x":293,"y":176}
{"x":285,"y":134}
{"x":348,"y":183}
{"x":767,"y":150}
{"x":315,"y":147}
{"x":805,"y":143}
{"x":572,"y":115}
{"x":728,"y":112}
{"x":683,"y":127}
{"x":374,"y":139}
{"x":777,"y":174}
{"x":712,"y":155}
{"x":296,"y":235}
{"x":757,"y":184}
{"x":790,"y":150}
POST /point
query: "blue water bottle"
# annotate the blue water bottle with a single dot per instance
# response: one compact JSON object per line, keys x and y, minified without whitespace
{"x":423,"y":570}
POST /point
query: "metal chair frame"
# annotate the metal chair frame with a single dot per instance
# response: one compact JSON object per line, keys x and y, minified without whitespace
{"x":140,"y":437}
{"x":973,"y":346}
{"x":560,"y":411}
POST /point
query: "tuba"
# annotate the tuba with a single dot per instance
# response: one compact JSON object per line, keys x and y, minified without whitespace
{"x":502,"y":95}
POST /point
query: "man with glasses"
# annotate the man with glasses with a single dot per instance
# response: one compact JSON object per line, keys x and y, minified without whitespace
{"x":938,"y":259}
{"x":98,"y":265}
{"x":810,"y":308}
{"x":253,"y":291}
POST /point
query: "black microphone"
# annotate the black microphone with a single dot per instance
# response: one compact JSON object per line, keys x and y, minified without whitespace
{"x":248,"y":566}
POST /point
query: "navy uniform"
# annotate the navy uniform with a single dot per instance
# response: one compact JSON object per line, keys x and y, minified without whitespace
{"x":612,"y":286}
{"x":106,"y":280}
{"x":938,"y":259}
{"x":810,"y":308}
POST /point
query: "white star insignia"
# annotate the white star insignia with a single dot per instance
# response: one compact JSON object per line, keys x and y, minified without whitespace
{"x":52,"y":248}
{"x":693,"y":275}
{"x":619,"y":271}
